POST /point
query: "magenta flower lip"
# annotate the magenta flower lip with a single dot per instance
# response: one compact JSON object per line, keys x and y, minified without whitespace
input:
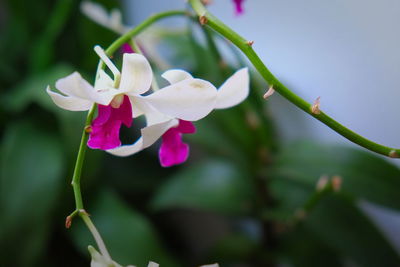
{"x":106,"y":126}
{"x":173,"y":151}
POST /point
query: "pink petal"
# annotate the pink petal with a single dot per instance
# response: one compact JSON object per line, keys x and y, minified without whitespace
{"x":105,"y":128}
{"x":238,"y":6}
{"x":126,"y":48}
{"x":186,"y":127}
{"x":173,"y":151}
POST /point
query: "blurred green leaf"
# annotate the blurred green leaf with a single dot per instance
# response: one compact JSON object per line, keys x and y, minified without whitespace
{"x":128,"y":235}
{"x":30,"y":178}
{"x":342,"y":226}
{"x":33,"y":89}
{"x":336,"y":222}
{"x":290,"y":196}
{"x":364,"y":175}
{"x":214,"y":185}
{"x":302,"y":248}
{"x":235,"y":247}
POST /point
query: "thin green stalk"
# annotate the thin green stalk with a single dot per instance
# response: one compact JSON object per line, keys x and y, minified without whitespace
{"x":76,"y":179}
{"x":96,"y":235}
{"x":246,"y":47}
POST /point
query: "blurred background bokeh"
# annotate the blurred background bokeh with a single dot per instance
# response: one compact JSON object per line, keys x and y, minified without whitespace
{"x":252,"y":192}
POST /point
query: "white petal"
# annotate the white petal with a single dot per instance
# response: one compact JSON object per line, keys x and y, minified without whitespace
{"x":99,"y":14}
{"x":103,"y":81}
{"x":74,"y":85}
{"x":116,"y":21}
{"x":136,"y":74}
{"x":174,"y":76}
{"x":150,"y":135}
{"x":191,"y":99}
{"x":152,"y":264}
{"x":234,"y":90}
{"x":156,"y":117}
{"x":69,"y":102}
{"x":99,"y":260}
{"x":140,"y":106}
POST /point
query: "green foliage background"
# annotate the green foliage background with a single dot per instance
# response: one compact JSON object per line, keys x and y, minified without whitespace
{"x":237,"y":201}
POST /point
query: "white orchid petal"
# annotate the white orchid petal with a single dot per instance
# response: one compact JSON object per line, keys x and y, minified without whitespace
{"x":103,"y":81}
{"x":69,"y":102}
{"x":234,"y":90}
{"x":96,"y":12}
{"x":150,"y":135}
{"x":100,"y":15}
{"x":140,"y":106}
{"x":152,"y":264}
{"x":116,"y":20}
{"x":136,"y":74}
{"x":190,"y":100}
{"x":99,"y":260}
{"x":156,"y":117}
{"x":74,"y":85}
{"x":175,"y":76}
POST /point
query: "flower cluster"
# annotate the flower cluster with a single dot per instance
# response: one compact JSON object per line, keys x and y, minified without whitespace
{"x":169,"y":112}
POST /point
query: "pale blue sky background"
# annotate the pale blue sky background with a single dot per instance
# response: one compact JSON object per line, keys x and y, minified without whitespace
{"x":345,"y":51}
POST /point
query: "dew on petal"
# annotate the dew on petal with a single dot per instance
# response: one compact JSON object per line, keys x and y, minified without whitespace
{"x":105,"y":128}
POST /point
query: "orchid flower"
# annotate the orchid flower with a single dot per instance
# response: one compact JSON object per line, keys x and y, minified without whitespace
{"x":238,"y":6}
{"x":120,"y":99}
{"x":98,"y":260}
{"x":173,"y":151}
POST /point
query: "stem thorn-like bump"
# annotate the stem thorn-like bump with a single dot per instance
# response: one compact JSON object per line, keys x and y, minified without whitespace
{"x":68,"y":222}
{"x":315,"y":107}
{"x":203,"y":20}
{"x":337,"y":183}
{"x":270,"y":92}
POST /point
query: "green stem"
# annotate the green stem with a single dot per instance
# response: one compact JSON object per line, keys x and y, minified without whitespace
{"x":96,"y":235}
{"x":246,"y":48}
{"x":76,"y":179}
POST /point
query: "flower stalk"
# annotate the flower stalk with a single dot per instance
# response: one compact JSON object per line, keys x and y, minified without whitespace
{"x":76,"y":179}
{"x":246,"y":47}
